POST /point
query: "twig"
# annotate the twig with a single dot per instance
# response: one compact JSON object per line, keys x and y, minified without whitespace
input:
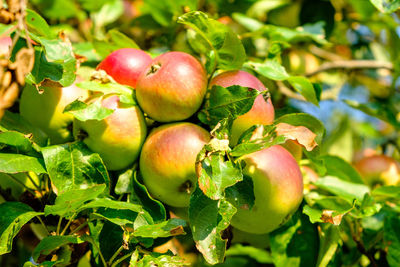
{"x":100,"y":254}
{"x":351,"y":64}
{"x":34,"y":184}
{"x":59,"y":225}
{"x":115,"y":254}
{"x":79,"y":227}
{"x":122,"y":259}
{"x":68,"y":224}
{"x":21,"y":183}
{"x":322,"y":53}
{"x":289,"y":93}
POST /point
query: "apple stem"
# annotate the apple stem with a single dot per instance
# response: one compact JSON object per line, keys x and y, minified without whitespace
{"x":154,"y":68}
{"x":186,"y":187}
{"x":82,"y":135}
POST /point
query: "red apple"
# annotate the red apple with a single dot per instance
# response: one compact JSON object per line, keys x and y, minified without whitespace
{"x":167,"y":161}
{"x":125,"y":65}
{"x":172,"y":88}
{"x":379,"y":169}
{"x":262,"y":111}
{"x":278,"y":190}
{"x":118,"y":138}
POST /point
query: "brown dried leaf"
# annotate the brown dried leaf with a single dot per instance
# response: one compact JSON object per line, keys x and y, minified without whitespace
{"x":301,"y":134}
{"x":25,"y":59}
{"x":7,"y":97}
{"x":14,"y":6}
{"x":327,"y":217}
{"x":177,"y":230}
{"x":6,"y":80}
{"x":6,"y":17}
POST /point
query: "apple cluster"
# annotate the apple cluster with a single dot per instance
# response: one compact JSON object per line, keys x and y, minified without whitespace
{"x":170,"y":89}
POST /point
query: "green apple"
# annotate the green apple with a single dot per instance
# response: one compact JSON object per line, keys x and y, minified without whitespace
{"x":278,"y":190}
{"x":379,"y":170}
{"x":118,"y":138}
{"x":262,"y":111}
{"x":255,"y":240}
{"x":44,"y":109}
{"x":167,"y":161}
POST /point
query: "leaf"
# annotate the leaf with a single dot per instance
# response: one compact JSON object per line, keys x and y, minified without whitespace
{"x":106,"y":88}
{"x":52,"y":243}
{"x":215,"y":175}
{"x":248,"y":22}
{"x":295,"y":244}
{"x":73,"y":166}
{"x":341,"y":169}
{"x":17,"y":140}
{"x":270,"y":68}
{"x":329,"y":237}
{"x":260,"y":255}
{"x":300,"y":134}
{"x":388,"y":191}
{"x":93,"y":111}
{"x":306,"y":120}
{"x":219,"y":38}
{"x":14,"y":163}
{"x":109,"y":12}
{"x":391,"y":238}
{"x":141,"y":196}
{"x":386,"y":6}
{"x":172,"y":227}
{"x":313,"y":213}
{"x":303,"y":86}
{"x":63,"y":73}
{"x":241,"y":194}
{"x":208,"y":218}
{"x":233,"y":101}
{"x":37,"y":24}
{"x":114,"y":40}
{"x":121,"y":40}
{"x":14,"y":215}
{"x":14,"y":122}
{"x":159,"y":260}
{"x":70,"y":202}
{"x":342,"y":188}
{"x":56,"y":50}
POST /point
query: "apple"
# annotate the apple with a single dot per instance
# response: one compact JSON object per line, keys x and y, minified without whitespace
{"x":262,"y":111}
{"x":172,"y":87}
{"x":167,"y":161}
{"x":255,"y":240}
{"x":5,"y":45}
{"x":278,"y":190}
{"x":45,"y":109}
{"x":118,"y":138}
{"x":379,"y":170}
{"x":125,"y":65}
{"x":300,"y":61}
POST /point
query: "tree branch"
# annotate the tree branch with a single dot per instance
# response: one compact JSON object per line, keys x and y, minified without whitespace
{"x":351,"y":64}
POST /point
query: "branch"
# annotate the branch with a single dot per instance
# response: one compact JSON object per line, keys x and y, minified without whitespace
{"x":351,"y":64}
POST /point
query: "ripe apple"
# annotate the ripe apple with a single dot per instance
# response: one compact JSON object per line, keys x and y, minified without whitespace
{"x":118,"y":138}
{"x":379,"y":169}
{"x":278,"y":190}
{"x":167,"y":161}
{"x":262,"y":111}
{"x":45,"y":109}
{"x":125,"y":65}
{"x":172,"y":88}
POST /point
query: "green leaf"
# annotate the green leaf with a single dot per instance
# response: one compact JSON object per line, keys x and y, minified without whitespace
{"x":52,"y":243}
{"x":14,"y":163}
{"x":37,"y":24}
{"x":233,"y":101}
{"x":56,"y":50}
{"x":73,"y":166}
{"x":216,"y":175}
{"x":121,"y":40}
{"x":270,"y":68}
{"x":388,"y":191}
{"x":114,"y":40}
{"x":141,"y":196}
{"x":14,"y":122}
{"x":242,"y":193}
{"x":343,"y":188}
{"x":93,"y":111}
{"x":329,"y":237}
{"x":295,"y":244}
{"x":219,"y":38}
{"x":14,"y":215}
{"x":172,"y":227}
{"x":63,"y":73}
{"x":70,"y":202}
{"x":341,"y":169}
{"x":248,"y":22}
{"x":208,"y":218}
{"x":386,"y":6}
{"x":313,"y":213}
{"x":106,"y":88}
{"x":260,"y":255}
{"x":15,"y":139}
{"x":159,"y":260}
{"x":108,"y":13}
{"x":303,"y":86}
{"x":391,"y":238}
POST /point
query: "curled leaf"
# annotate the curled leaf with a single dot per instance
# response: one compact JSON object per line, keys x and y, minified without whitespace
{"x":301,"y":134}
{"x":329,"y":217}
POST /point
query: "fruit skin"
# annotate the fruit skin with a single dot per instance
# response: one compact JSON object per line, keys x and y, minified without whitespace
{"x":379,"y":169}
{"x":254,"y":240}
{"x":125,"y":65}
{"x":118,"y":138}
{"x":167,"y":161}
{"x":172,"y":88}
{"x":278,"y":190}
{"x":262,"y":111}
{"x":45,"y":110}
